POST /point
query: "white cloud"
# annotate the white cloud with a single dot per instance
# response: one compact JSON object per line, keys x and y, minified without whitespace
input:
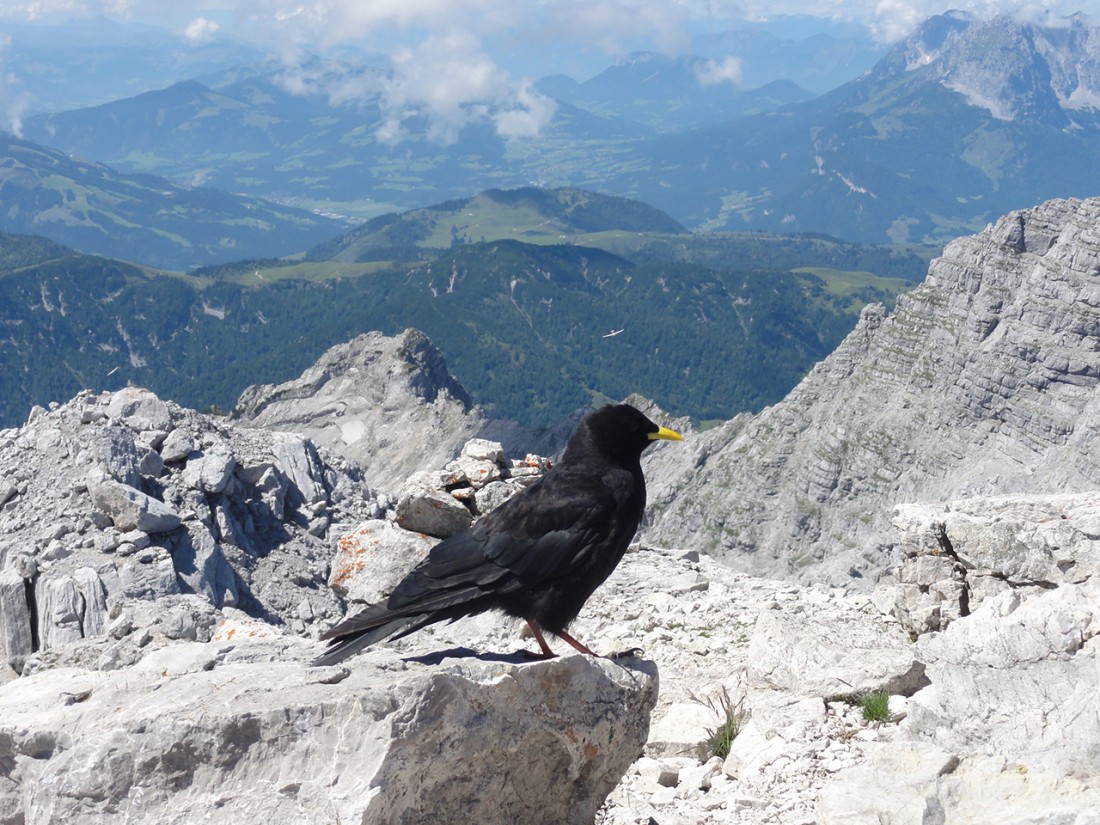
{"x":619,"y":26}
{"x":530,"y":113}
{"x":451,"y":82}
{"x":14,"y":101}
{"x":200,"y":30}
{"x":713,"y":72}
{"x":446,"y":80}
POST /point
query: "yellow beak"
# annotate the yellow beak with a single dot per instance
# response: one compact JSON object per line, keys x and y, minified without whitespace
{"x":666,"y":434}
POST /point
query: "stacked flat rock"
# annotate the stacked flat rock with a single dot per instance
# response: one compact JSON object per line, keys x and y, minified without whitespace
{"x":375,"y":555}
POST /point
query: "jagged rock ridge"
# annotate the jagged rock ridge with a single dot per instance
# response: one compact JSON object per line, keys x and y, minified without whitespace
{"x":1017,"y":71}
{"x":388,"y":403}
{"x":983,"y":380}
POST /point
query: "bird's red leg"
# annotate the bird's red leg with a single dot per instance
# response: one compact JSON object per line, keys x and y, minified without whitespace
{"x":574,"y":643}
{"x":547,"y":653}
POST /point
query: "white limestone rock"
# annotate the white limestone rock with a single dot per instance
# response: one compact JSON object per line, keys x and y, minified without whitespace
{"x":371,"y":559}
{"x":209,"y":471}
{"x":683,"y":730}
{"x":200,"y":727}
{"x":201,"y":566}
{"x":140,"y":410}
{"x":821,"y":645}
{"x":15,"y":620}
{"x":957,"y":554}
{"x":297,"y":459}
{"x":424,"y":508}
{"x":177,"y":446}
{"x":984,"y":380}
{"x":7,"y":491}
{"x":389,"y":404}
{"x":131,"y":509}
{"x":901,"y":775}
{"x":1019,"y":680}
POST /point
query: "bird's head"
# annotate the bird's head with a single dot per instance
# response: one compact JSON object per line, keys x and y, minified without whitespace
{"x":620,"y":432}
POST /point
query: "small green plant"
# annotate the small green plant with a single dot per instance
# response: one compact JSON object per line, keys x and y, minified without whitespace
{"x":875,"y":706}
{"x":731,"y":718}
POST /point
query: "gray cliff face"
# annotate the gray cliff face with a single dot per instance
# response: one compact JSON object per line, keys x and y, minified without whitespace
{"x":389,"y":404}
{"x":1018,"y":71}
{"x":983,"y":380}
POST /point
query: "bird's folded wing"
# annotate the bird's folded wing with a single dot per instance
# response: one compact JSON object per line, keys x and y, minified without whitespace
{"x":546,"y":557}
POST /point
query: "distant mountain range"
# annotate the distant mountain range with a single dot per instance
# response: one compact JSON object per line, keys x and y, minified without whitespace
{"x":140,"y":217}
{"x":54,"y":68}
{"x":963,"y":121}
{"x":670,"y":94}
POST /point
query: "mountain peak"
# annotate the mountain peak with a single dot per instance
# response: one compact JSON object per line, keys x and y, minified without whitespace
{"x":1017,"y":71}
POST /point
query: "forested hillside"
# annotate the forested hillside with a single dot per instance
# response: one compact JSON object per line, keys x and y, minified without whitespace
{"x":525,"y":327}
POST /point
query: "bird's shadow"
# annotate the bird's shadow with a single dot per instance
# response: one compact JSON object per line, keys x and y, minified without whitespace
{"x":518,"y":657}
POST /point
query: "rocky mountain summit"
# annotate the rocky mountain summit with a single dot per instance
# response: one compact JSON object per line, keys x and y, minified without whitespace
{"x":162,"y":574}
{"x":984,"y":380}
{"x":1018,"y":71}
{"x":389,"y":404}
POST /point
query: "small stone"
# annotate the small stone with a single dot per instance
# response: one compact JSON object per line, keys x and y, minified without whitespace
{"x":209,"y":472}
{"x":131,"y":509}
{"x":176,"y":446}
{"x":138,"y":538}
{"x":55,"y":550}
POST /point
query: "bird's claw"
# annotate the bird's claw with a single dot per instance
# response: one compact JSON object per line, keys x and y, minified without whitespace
{"x":536,"y":655}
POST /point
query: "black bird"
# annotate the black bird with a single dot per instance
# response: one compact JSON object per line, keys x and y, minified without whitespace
{"x":538,"y":556}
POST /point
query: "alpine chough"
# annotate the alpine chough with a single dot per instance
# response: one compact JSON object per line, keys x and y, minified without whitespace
{"x":539,"y":555}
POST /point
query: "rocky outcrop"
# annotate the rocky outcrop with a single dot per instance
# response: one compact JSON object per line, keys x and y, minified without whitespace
{"x":134,"y":666}
{"x":253,"y":733}
{"x":982,"y":381}
{"x":161,"y":573}
{"x":956,"y":555}
{"x":373,"y":557}
{"x":390,"y":405}
{"x":1008,"y":729}
{"x":128,"y":519}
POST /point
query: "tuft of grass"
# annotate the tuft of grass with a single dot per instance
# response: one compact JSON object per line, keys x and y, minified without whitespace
{"x":875,"y":706}
{"x":731,"y":719}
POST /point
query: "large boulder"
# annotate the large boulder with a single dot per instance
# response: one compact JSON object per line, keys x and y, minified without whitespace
{"x":957,"y":554}
{"x":252,"y":733}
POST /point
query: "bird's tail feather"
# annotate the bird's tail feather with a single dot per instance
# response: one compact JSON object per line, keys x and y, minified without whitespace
{"x":351,"y":644}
